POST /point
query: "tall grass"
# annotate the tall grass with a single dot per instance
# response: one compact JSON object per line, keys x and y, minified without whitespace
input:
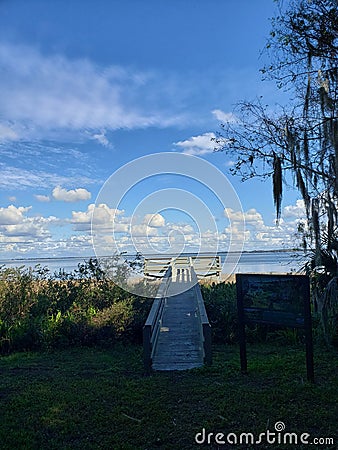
{"x":41,"y":311}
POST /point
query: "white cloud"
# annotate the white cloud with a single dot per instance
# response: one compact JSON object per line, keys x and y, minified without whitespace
{"x":154,"y":220}
{"x":295,"y":211}
{"x":7,"y":133}
{"x":12,"y":215}
{"x":18,"y":178}
{"x":181,"y":227}
{"x":83,"y":217}
{"x":251,"y":218}
{"x":19,"y":230}
{"x":23,"y":232}
{"x":224,"y":117}
{"x":12,"y":198}
{"x":42,"y":198}
{"x":142,"y":230}
{"x":198,"y":145}
{"x":28,"y":229}
{"x":229,"y":163}
{"x":258,"y":234}
{"x":232,"y":215}
{"x":73,"y":195}
{"x":52,"y":92}
{"x":102,"y":220}
{"x":101,"y":138}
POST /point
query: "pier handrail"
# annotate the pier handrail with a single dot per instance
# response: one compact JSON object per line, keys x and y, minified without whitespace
{"x":207,"y":266}
{"x":153,"y":323}
{"x":205,"y":324}
{"x":155,"y":267}
{"x":204,"y":265}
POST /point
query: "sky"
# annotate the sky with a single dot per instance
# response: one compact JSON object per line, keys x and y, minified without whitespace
{"x":92,"y":91}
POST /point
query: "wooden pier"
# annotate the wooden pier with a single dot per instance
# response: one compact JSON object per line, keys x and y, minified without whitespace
{"x":177,"y":334}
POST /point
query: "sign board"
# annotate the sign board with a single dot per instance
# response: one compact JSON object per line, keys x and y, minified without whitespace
{"x":278,"y":300}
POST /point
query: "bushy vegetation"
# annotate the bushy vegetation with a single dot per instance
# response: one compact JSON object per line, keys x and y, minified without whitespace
{"x":221,"y":306}
{"x":43,"y":311}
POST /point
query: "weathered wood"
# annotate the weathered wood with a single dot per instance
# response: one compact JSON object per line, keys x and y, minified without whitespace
{"x":204,"y":321}
{"x":153,"y":323}
{"x":179,"y":343}
{"x":204,"y":265}
{"x":177,"y":331}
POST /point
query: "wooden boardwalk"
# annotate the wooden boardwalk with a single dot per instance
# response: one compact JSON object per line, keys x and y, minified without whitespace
{"x":180,"y":340}
{"x":177,"y":332}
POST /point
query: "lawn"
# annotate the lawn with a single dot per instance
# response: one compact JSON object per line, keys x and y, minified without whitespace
{"x":95,"y":398}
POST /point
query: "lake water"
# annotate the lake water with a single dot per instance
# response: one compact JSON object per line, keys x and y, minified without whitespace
{"x":261,"y":262}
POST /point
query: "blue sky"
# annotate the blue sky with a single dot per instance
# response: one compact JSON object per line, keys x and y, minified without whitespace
{"x":86,"y":87}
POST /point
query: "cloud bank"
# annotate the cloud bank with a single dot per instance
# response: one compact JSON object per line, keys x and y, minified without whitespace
{"x":52,"y":92}
{"x":23,"y":232}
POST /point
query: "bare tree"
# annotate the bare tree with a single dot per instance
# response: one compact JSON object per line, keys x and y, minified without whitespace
{"x":299,"y":141}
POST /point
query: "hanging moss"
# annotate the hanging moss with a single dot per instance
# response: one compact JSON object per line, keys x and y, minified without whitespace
{"x":303,"y":190}
{"x":315,"y":221}
{"x":301,"y":138}
{"x":277,"y":184}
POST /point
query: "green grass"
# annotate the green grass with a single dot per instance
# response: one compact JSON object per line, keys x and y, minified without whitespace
{"x":91,"y":398}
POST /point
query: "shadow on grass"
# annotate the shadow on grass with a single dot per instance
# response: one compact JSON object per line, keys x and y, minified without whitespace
{"x":93,"y":398}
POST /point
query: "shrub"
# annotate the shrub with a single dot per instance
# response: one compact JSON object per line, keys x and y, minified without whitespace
{"x":220,"y":304}
{"x":40,"y":311}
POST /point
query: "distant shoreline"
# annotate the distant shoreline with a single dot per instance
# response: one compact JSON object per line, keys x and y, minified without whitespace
{"x":263,"y":261}
{"x":48,"y":258}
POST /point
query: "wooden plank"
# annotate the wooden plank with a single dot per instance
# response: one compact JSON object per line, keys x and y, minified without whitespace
{"x":180,"y":344}
{"x":184,"y":337}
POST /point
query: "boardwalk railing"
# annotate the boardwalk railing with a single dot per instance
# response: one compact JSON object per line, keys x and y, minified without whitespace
{"x":204,"y":265}
{"x":153,"y":324}
{"x":156,"y":267}
{"x":204,"y":321}
{"x":207,"y":266}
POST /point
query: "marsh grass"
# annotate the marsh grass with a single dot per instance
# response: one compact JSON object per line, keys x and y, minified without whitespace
{"x":39,"y":311}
